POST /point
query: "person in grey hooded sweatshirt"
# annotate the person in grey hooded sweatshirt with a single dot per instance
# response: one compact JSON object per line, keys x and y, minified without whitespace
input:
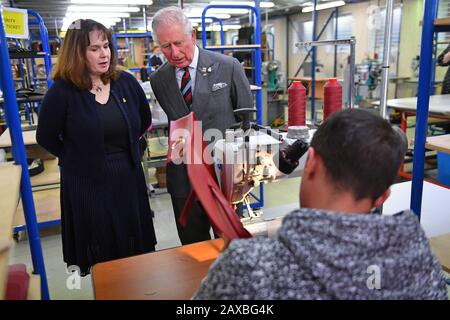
{"x":337,"y":246}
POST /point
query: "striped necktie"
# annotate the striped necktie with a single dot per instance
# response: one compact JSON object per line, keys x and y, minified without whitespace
{"x":186,"y":87}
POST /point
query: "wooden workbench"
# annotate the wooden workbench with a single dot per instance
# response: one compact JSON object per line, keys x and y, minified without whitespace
{"x":9,"y":198}
{"x":440,"y":245}
{"x":439,"y":143}
{"x":173,"y":274}
{"x":439,"y":105}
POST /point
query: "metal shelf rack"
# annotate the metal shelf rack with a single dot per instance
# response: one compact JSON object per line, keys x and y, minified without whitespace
{"x":430,"y":26}
{"x":18,"y":148}
{"x":256,"y":64}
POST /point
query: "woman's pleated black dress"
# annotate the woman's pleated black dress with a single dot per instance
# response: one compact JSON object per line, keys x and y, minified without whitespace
{"x":108,"y":218}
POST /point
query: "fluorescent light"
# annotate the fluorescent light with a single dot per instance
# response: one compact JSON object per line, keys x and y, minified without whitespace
{"x":97,"y":15}
{"x":102,"y":9}
{"x":107,"y":22}
{"x":262,"y":4}
{"x":226,"y":27}
{"x":199,"y":20}
{"x":322,"y":6}
{"x":217,"y":15}
{"x":215,"y":11}
{"x":121,"y":2}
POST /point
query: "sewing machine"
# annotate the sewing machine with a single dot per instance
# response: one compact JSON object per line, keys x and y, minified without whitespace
{"x":251,"y":154}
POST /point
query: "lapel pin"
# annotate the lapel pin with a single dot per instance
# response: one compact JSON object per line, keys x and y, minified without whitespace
{"x":205,"y":71}
{"x":124,"y":100}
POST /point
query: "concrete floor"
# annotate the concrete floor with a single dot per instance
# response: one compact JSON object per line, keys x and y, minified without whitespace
{"x":280,"y":198}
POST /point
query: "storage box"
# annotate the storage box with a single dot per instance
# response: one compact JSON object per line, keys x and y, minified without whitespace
{"x":443,"y":168}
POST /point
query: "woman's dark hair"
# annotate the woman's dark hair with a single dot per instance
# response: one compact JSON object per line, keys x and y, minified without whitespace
{"x":72,"y":64}
{"x":361,"y":152}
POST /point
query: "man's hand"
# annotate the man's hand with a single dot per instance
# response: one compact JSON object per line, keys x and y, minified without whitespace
{"x":446,"y":58}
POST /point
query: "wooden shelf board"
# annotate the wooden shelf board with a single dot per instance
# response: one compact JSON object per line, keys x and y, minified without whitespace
{"x":442,"y":22}
{"x":9,"y":197}
{"x":47,"y":204}
{"x":50,"y":175}
{"x":29,"y":138}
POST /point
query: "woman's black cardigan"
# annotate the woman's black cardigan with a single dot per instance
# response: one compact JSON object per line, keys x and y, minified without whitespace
{"x":70,"y":127}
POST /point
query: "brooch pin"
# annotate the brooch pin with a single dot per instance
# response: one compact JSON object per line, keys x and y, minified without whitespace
{"x":205,"y":71}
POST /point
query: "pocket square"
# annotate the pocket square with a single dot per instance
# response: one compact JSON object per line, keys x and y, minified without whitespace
{"x":218,"y":86}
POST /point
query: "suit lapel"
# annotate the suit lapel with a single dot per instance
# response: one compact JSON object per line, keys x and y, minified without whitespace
{"x":205,"y":74}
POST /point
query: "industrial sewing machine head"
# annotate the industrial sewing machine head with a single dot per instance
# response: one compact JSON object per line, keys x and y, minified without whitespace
{"x":251,"y":154}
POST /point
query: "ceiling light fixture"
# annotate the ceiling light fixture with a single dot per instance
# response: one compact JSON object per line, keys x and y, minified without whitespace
{"x":97,"y":15}
{"x":323,"y":6}
{"x":121,"y":2}
{"x":107,"y":22}
{"x":215,"y":11}
{"x":102,"y":9}
{"x":199,"y":14}
{"x":226,"y":27}
{"x":262,"y":4}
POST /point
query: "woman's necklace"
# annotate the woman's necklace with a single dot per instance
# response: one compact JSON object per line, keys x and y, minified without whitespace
{"x":98,"y":88}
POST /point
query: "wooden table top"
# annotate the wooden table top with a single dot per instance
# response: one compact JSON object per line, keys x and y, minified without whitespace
{"x":440,"y":245}
{"x":439,"y":143}
{"x":439,"y":104}
{"x":173,"y":274}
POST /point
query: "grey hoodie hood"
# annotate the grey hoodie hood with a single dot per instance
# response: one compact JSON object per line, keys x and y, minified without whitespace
{"x":330,"y":255}
{"x":364,"y":255}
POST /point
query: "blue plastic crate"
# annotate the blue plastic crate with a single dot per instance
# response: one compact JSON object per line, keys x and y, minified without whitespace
{"x":443,"y":168}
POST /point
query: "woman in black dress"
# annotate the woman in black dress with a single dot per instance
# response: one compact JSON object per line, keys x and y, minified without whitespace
{"x":92,"y":119}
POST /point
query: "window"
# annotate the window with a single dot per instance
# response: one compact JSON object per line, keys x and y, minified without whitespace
{"x":345,"y":31}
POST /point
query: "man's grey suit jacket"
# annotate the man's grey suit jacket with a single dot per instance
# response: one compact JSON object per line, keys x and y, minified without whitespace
{"x":212,"y":102}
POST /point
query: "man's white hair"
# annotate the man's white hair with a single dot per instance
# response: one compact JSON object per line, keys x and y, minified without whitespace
{"x":170,"y":16}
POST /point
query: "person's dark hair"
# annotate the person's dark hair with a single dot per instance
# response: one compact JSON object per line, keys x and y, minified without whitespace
{"x":361,"y":152}
{"x":72,"y":64}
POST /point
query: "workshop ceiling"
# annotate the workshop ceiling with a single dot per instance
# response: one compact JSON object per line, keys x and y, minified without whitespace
{"x":53,"y":11}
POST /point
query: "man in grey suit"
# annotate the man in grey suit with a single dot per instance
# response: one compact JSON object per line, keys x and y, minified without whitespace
{"x":211,"y":85}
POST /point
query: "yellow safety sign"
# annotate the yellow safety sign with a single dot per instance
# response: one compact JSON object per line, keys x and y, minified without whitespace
{"x":15,"y":22}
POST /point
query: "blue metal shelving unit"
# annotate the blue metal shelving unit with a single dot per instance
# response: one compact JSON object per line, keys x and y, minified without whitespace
{"x":256,"y":63}
{"x":425,"y":86}
{"x":18,"y":151}
{"x":214,"y":19}
{"x":127,"y":35}
{"x":30,"y":62}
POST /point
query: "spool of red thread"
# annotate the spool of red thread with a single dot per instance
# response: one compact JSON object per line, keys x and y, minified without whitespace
{"x":332,"y":95}
{"x":296,"y":104}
